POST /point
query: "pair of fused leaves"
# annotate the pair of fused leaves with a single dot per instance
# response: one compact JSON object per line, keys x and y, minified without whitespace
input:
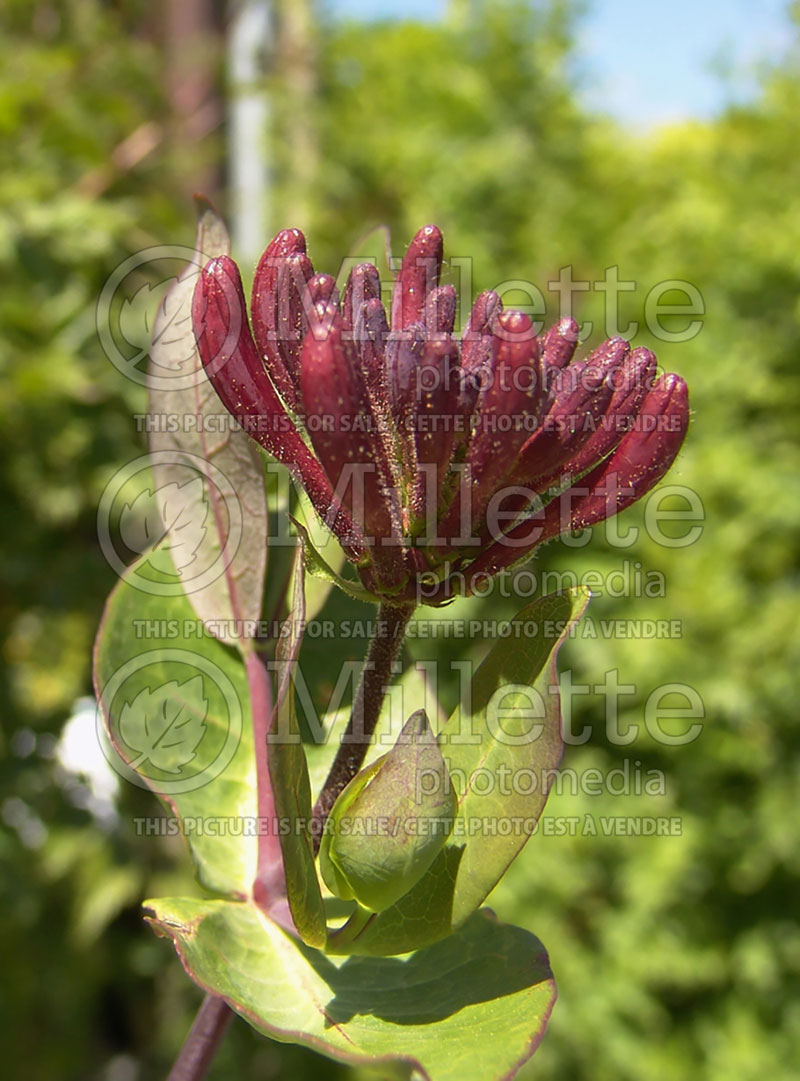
{"x":387,"y":827}
{"x":500,"y":749}
{"x":475,"y":995}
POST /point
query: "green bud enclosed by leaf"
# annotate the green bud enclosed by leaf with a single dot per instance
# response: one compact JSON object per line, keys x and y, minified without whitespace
{"x":391,"y":821}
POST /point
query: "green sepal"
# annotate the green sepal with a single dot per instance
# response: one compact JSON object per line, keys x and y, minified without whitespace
{"x":319,"y":568}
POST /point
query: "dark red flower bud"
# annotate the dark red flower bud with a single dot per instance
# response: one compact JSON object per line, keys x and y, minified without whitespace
{"x":507,"y":409}
{"x":630,"y":381}
{"x":267,"y":300}
{"x":559,"y":343}
{"x":476,"y":343}
{"x":434,"y":420}
{"x":578,"y":398}
{"x":231,"y":360}
{"x":418,"y":274}
{"x":291,"y":322}
{"x":344,"y":432}
{"x":440,"y":312}
{"x":370,"y":334}
{"x":610,"y":354}
{"x":403,"y":358}
{"x":322,"y":290}
{"x":237,"y":373}
{"x":363,"y":284}
{"x":429,"y":413}
{"x":640,"y":461}
{"x":476,"y":349}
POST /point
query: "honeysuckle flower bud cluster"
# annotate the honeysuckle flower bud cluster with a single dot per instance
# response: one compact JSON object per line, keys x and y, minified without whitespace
{"x":428,"y":454}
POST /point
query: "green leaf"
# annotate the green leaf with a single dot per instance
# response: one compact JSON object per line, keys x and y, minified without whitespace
{"x":176,"y":708}
{"x":387,"y":827}
{"x":209,"y":483}
{"x":474,"y":1005}
{"x":289,"y":776}
{"x":502,"y":748}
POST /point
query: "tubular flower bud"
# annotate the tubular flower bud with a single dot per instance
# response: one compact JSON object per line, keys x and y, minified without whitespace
{"x":419,"y":274}
{"x":559,"y":343}
{"x":363,"y":284}
{"x":344,"y":433}
{"x":431,"y":456}
{"x":275,"y":279}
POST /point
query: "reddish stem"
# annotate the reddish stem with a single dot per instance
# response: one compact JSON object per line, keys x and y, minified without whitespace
{"x":269,"y":887}
{"x":204,"y":1038}
{"x":377,"y":673}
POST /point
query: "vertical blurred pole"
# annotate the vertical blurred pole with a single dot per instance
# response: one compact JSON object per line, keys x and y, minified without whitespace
{"x":296,"y":66}
{"x":249,"y":40}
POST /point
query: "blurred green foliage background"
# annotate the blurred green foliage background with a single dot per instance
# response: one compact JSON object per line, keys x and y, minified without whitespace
{"x":676,"y":957}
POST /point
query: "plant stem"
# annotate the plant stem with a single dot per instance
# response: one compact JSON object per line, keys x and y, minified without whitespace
{"x":384,"y":647}
{"x":204,"y":1038}
{"x":269,"y":885}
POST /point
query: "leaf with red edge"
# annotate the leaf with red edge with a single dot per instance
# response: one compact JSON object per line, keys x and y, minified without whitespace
{"x":475,"y":1005}
{"x":182,"y":695}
